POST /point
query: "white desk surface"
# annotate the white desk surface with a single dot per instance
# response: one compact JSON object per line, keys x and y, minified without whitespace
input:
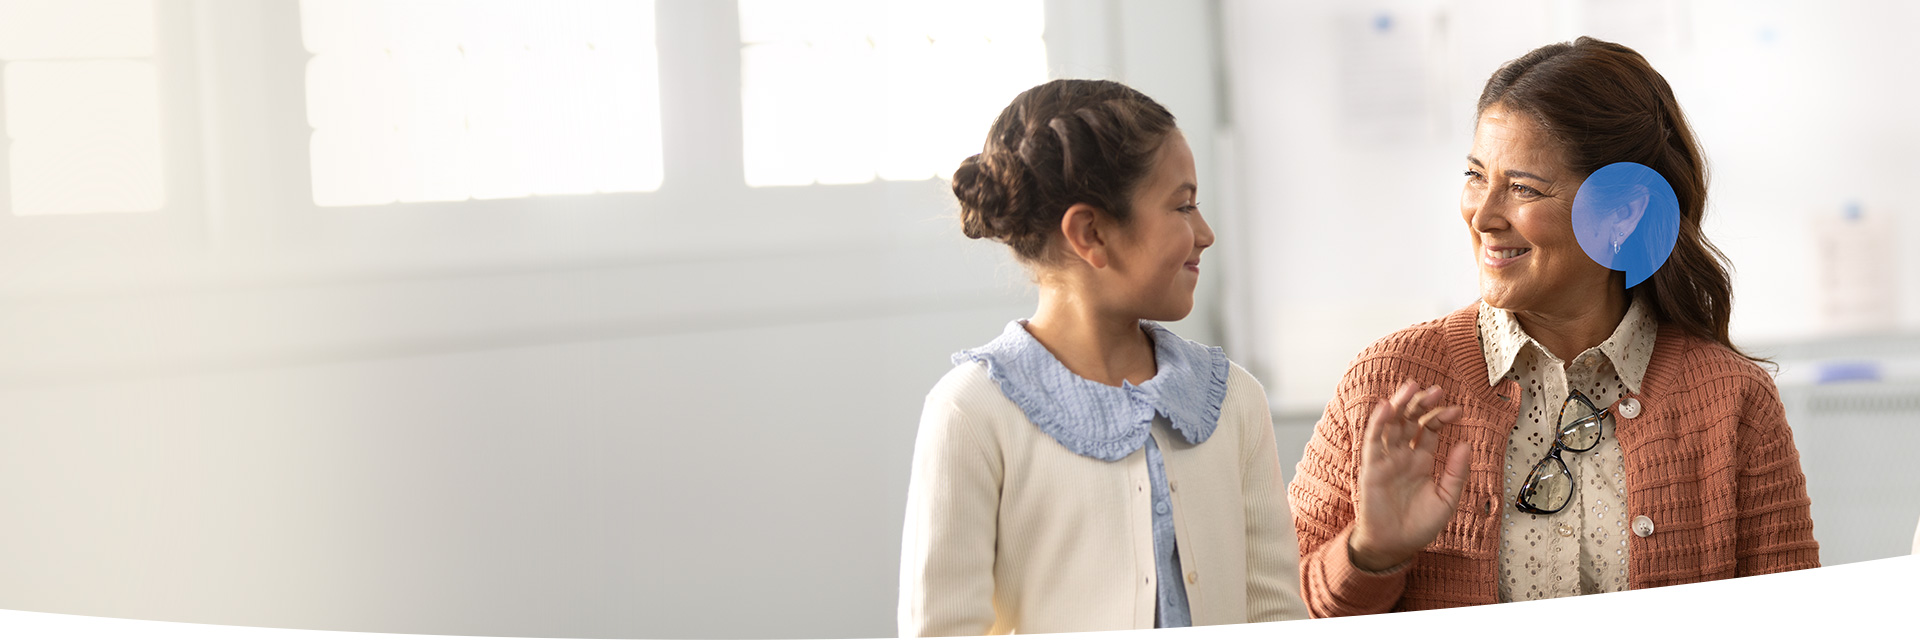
{"x":1879,"y":595}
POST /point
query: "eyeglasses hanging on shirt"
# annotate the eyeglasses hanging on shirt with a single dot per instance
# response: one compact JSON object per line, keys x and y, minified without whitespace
{"x":1549,"y":487}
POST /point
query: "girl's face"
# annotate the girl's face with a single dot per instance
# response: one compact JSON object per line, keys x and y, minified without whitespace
{"x":1156,"y":257}
{"x":1518,"y":206}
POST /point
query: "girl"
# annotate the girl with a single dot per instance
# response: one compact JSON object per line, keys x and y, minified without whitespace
{"x":1088,"y":469}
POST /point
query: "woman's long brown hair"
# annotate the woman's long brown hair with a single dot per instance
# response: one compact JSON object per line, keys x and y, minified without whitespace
{"x":1605,"y":104}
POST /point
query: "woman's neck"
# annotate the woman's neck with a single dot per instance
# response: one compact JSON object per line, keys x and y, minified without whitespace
{"x":1570,"y":332}
{"x":1094,"y":345}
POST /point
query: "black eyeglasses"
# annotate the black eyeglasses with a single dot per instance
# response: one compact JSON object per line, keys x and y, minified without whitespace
{"x":1549,"y":487}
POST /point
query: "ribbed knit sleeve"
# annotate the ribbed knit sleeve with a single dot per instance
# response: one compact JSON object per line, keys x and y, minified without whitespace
{"x":1323,"y":514}
{"x":1709,"y":465}
{"x":947,"y":547}
{"x":1273,"y":562}
{"x":1775,"y":525}
{"x":1456,"y":568}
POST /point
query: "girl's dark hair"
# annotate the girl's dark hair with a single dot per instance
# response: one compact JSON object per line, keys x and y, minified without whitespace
{"x":1062,"y":143}
{"x":1604,"y":104}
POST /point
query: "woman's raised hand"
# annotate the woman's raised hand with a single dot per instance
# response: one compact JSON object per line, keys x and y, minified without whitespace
{"x":1398,"y":506}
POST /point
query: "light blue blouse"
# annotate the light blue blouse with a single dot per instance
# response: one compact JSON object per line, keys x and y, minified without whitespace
{"x":1110,"y":423}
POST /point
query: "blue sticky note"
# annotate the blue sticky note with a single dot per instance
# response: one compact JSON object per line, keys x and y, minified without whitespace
{"x":1627,"y":218}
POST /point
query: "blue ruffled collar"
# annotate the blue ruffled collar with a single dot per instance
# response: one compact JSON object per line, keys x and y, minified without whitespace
{"x":1101,"y":421}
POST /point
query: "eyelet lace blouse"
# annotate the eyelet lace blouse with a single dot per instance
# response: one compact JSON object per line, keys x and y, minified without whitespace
{"x":1583,"y":548}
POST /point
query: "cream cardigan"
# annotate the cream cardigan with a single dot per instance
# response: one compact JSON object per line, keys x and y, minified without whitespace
{"x":1007,"y":531}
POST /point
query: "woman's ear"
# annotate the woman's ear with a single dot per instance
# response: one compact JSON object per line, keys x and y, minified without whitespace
{"x":1085,"y":229}
{"x":1632,"y":211}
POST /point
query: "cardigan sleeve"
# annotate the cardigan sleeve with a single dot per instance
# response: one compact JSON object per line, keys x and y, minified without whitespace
{"x":1273,"y":561}
{"x":1775,"y":525}
{"x":947,"y":545}
{"x":1323,"y":514}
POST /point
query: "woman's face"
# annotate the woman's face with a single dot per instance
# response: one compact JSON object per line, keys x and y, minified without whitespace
{"x":1518,"y":206}
{"x":1156,"y":258}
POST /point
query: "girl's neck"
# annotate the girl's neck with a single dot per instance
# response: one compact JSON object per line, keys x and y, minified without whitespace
{"x":1095,"y":345}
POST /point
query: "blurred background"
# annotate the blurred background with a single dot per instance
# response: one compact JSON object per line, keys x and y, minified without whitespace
{"x":598,"y":318}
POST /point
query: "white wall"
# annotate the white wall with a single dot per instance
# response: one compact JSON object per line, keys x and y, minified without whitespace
{"x":686,"y":413}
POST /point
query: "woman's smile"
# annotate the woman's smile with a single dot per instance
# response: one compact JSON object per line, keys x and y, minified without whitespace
{"x":1497,"y":257}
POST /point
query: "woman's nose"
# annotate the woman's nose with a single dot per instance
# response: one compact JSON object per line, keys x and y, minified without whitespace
{"x":1202,"y":232}
{"x":1484,"y":212}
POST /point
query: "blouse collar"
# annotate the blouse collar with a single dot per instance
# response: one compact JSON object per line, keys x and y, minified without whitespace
{"x":1101,"y":421}
{"x":1629,"y":348}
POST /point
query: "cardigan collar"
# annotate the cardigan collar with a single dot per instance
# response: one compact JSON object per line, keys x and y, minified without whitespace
{"x":1101,"y":421}
{"x":1461,"y":357}
{"x":1629,"y":348}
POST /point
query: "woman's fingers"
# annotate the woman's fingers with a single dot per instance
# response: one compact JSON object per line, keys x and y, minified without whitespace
{"x":1407,"y":413}
{"x":1432,"y":400}
{"x":1402,"y":420}
{"x":1424,"y":443}
{"x":1402,"y":397}
{"x":1383,"y":425}
{"x":1421,"y":412}
{"x":1432,"y":420}
{"x":1375,"y":436}
{"x":1415,"y":404}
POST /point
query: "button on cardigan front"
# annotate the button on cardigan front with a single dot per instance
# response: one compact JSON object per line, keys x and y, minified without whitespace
{"x":1710,"y":462}
{"x":1010,"y":529}
{"x":1108,"y":422}
{"x":1588,"y":551}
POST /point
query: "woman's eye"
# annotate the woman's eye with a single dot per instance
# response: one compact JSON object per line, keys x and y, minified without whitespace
{"x":1472,"y":175}
{"x":1193,"y":207}
{"x":1525,"y":190}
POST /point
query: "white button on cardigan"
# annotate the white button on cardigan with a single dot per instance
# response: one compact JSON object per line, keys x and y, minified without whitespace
{"x":1630,"y":408}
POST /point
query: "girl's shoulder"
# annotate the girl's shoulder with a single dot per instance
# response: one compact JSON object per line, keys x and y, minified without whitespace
{"x":1245,"y":394}
{"x":963,"y":375}
{"x":969,"y":388}
{"x":1245,"y":412}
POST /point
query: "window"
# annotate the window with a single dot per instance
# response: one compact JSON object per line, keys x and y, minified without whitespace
{"x":441,"y":101}
{"x":846,"y":91}
{"x":82,"y":107}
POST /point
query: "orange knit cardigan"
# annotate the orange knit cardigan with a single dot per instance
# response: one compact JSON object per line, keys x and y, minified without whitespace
{"x":1710,"y":460}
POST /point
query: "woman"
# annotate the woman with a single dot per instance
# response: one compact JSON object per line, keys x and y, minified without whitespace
{"x":1598,"y":437}
{"x":1090,"y":470}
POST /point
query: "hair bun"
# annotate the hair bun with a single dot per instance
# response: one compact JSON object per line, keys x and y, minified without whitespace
{"x":986,"y":208}
{"x":1056,"y":145}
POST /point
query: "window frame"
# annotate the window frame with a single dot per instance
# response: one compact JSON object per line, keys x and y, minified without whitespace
{"x":77,"y":242}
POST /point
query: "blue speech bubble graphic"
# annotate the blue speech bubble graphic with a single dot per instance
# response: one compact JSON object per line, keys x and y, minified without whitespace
{"x":1627,"y":219}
